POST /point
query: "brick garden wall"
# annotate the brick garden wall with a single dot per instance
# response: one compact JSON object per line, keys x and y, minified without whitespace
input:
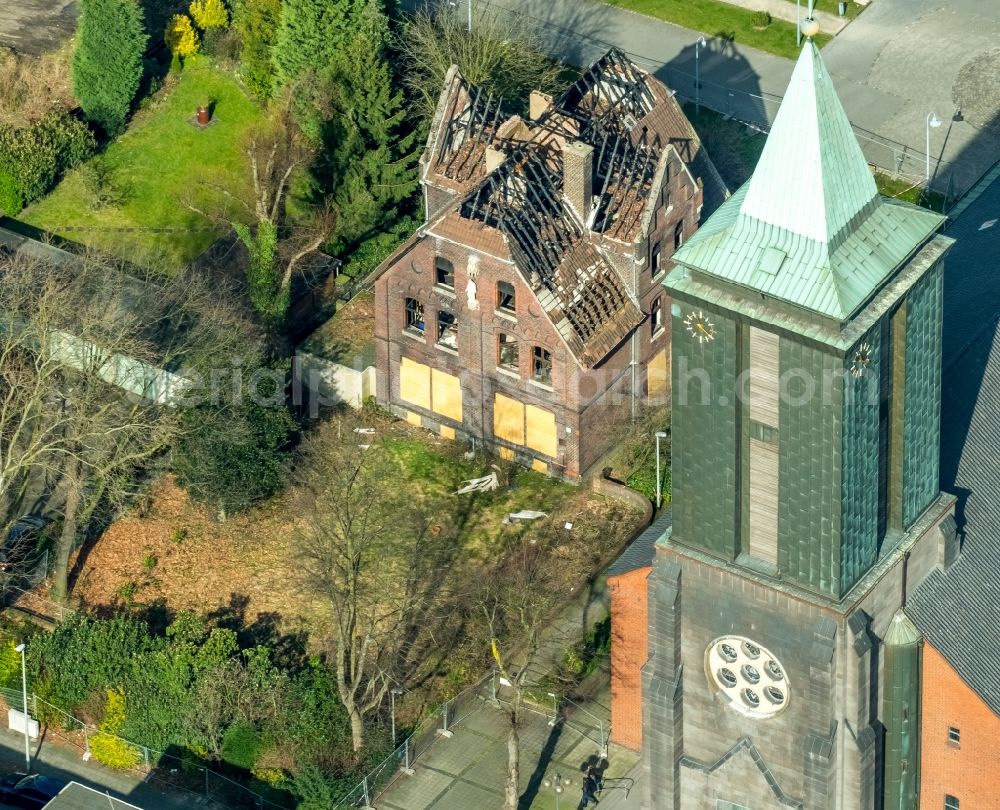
{"x":629,"y":652}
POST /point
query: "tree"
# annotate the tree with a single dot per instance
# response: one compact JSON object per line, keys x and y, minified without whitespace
{"x":209,"y":14}
{"x":311,"y":33}
{"x":232,"y":457}
{"x":517,"y":598}
{"x":276,"y":246}
{"x":508,"y":62}
{"x":181,"y":37}
{"x":256,"y":22}
{"x":369,"y":160}
{"x":374,"y":571}
{"x":83,"y":366}
{"x":107,"y":63}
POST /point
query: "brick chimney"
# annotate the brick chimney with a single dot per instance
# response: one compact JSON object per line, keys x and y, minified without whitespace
{"x":538,"y":102}
{"x":578,"y":177}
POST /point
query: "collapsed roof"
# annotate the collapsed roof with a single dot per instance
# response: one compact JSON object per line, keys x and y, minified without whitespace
{"x":509,"y":176}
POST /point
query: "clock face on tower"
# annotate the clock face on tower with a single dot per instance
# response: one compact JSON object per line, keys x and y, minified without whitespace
{"x":699,"y":326}
{"x":747,"y":676}
{"x":861,"y":360}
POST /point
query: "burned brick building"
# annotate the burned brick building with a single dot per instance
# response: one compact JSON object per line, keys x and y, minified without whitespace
{"x":528,"y":311}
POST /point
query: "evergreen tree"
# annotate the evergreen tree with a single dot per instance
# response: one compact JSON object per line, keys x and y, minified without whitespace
{"x":312,"y":33}
{"x":256,"y":21}
{"x":371,"y":157}
{"x":107,"y":64}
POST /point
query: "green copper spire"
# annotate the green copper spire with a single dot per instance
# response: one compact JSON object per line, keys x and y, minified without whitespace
{"x":809,"y":227}
{"x":812,"y":179}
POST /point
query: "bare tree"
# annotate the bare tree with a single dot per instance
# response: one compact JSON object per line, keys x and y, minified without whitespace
{"x":86,"y":396}
{"x":372,"y":556}
{"x":517,"y":600}
{"x":506,"y":62}
{"x":276,"y":244}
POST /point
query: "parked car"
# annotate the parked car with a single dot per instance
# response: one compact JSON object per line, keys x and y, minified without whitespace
{"x":33,"y":792}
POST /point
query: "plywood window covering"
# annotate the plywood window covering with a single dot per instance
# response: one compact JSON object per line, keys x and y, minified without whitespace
{"x":415,"y":383}
{"x":444,"y":273}
{"x":414,"y":315}
{"x":763,"y":388}
{"x":541,"y":430}
{"x":657,"y":374}
{"x":446,"y":394}
{"x":506,"y":299}
{"x":508,"y":419}
{"x":762,"y":533}
{"x":430,"y":389}
{"x":507,"y":352}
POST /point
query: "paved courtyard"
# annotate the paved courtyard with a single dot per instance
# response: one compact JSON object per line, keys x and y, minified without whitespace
{"x":466,"y":771}
{"x":36,"y":26}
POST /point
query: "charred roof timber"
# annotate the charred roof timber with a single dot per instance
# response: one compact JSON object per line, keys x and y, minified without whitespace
{"x":473,"y":119}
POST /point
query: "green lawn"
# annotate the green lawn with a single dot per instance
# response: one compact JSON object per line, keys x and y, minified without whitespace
{"x":830,"y":7}
{"x":166,"y":162}
{"x":717,"y":18}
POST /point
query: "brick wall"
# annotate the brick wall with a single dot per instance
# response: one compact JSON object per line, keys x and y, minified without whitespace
{"x":629,"y":652}
{"x":967,"y":770}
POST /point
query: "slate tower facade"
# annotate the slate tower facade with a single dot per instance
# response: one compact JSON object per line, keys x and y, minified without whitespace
{"x":806,"y":354}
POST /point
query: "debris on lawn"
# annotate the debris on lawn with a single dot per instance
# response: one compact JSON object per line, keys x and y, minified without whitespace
{"x":488,"y":483}
{"x":524,"y":514}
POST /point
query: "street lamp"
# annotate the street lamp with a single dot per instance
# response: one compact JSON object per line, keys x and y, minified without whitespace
{"x":24,"y":694}
{"x":933,"y":122}
{"x":392,"y":711}
{"x":697,"y":70}
{"x":660,"y":434}
{"x":558,"y":785}
{"x":555,"y":708}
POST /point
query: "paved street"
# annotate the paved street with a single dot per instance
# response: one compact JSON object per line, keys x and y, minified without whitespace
{"x":896,"y":62}
{"x":35,"y":26}
{"x":66,"y":764}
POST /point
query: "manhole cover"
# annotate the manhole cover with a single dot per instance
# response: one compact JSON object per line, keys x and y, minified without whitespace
{"x":975,"y":92}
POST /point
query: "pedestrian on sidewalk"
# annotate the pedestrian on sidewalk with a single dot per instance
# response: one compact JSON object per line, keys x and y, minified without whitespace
{"x":590,"y":786}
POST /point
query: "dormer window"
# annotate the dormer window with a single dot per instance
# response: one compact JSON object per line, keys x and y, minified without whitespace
{"x":444,"y":273}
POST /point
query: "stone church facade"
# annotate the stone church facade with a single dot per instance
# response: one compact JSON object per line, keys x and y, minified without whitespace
{"x":805,"y":392}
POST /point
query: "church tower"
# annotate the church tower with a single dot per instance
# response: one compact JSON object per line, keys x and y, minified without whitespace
{"x":806,"y":350}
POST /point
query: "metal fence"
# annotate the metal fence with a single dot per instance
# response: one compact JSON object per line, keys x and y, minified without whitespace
{"x":171,"y":770}
{"x":439,"y":724}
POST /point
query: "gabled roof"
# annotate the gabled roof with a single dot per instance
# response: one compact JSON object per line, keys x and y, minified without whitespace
{"x":809,"y":226}
{"x":958,"y":610}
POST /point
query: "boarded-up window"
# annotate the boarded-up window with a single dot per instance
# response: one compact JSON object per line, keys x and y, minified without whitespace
{"x":446,"y":395}
{"x":541,"y":430}
{"x":508,"y":419}
{"x":415,"y":383}
{"x":762,"y":531}
{"x":658,"y":375}
{"x":430,"y":388}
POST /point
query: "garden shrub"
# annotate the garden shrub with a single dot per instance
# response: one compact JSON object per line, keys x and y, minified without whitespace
{"x":10,"y":664}
{"x":105,"y":746}
{"x":108,"y":60}
{"x":760,"y":19}
{"x":256,"y":22}
{"x":241,"y":745}
{"x":11,"y":196}
{"x":181,"y":37}
{"x":33,"y":157}
{"x":209,"y":14}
